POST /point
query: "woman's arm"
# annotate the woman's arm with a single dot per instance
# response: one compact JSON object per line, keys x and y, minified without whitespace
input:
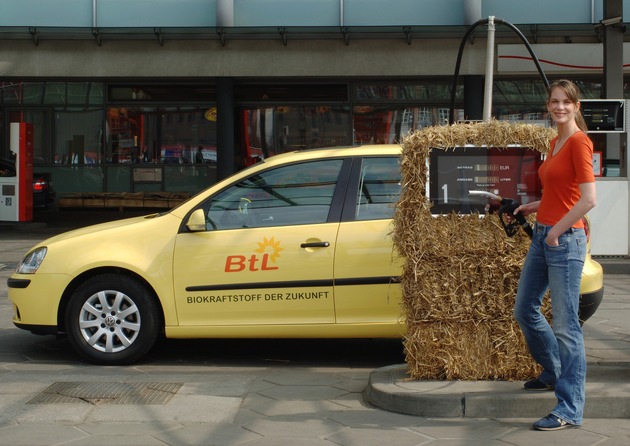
{"x":586,"y":202}
{"x":528,"y":208}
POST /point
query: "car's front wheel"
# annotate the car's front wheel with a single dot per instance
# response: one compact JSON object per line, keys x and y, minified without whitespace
{"x":112,"y":319}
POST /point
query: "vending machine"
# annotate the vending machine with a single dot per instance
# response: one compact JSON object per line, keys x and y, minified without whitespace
{"x":16,"y":192}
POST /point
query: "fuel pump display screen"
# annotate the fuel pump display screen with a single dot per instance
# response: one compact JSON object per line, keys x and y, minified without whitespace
{"x":605,"y":115}
{"x":509,"y":172}
{"x":8,"y":190}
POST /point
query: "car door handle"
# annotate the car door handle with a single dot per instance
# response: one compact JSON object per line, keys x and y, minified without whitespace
{"x":315,"y":245}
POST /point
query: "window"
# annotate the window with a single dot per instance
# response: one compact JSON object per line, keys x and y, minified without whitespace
{"x":292,"y":92}
{"x":131,"y":134}
{"x":273,"y":130}
{"x":385,"y":124}
{"x":383,"y":113}
{"x":182,"y":130}
{"x":387,"y":92}
{"x":53,"y":93}
{"x":162,"y":93}
{"x":296,"y":194}
{"x":379,"y":188}
{"x":78,"y":136}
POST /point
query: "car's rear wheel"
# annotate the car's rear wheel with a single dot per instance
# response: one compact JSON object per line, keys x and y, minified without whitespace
{"x":112,"y":319}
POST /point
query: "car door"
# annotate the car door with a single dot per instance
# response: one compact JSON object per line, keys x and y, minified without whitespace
{"x":267,"y":254}
{"x":366,"y":266}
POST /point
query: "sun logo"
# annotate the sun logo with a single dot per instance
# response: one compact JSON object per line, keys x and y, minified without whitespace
{"x":261,"y":260}
{"x":270,"y":246}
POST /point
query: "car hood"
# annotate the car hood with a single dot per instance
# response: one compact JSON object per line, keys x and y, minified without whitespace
{"x":138,"y":244}
{"x":99,"y":228}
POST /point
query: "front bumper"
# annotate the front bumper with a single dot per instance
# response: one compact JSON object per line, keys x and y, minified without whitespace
{"x":589,"y":302}
{"x":36,"y":299}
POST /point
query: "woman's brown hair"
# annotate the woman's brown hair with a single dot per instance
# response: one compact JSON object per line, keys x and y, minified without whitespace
{"x":573,"y":93}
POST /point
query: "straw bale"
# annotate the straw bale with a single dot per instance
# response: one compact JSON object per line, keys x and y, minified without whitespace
{"x":461,"y":272}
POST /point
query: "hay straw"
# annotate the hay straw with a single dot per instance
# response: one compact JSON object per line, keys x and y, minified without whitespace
{"x":461,"y":271}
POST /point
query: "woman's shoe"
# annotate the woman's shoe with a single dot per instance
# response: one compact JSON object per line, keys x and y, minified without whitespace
{"x":552,"y":423}
{"x":537,"y":384}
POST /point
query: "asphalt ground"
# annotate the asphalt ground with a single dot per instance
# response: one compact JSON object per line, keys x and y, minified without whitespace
{"x":283,"y":392}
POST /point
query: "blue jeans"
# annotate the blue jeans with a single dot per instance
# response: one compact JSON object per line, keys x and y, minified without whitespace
{"x":559,"y":350}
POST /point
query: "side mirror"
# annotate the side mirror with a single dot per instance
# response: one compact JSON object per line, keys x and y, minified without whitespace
{"x":197,"y":221}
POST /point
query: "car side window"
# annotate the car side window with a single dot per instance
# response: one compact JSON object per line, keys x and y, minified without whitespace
{"x":295,"y":194}
{"x":379,"y":188}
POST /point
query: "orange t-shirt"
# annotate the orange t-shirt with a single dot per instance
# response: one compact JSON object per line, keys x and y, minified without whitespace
{"x":560,"y":176}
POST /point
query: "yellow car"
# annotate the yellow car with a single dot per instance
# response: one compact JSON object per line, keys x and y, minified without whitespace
{"x":295,"y":246}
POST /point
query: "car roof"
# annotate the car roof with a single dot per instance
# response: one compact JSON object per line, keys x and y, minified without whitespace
{"x":335,"y":152}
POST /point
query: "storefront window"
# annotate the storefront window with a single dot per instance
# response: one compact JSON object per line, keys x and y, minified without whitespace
{"x":4,"y":149}
{"x":188,"y":135}
{"x":51,"y":93}
{"x":55,"y":93}
{"x":524,"y":99}
{"x":85,"y":93}
{"x":11,"y":93}
{"x":131,"y":135}
{"x":164,"y":93}
{"x":168,"y":135}
{"x":429,"y":92}
{"x":292,"y":92}
{"x":78,"y":136}
{"x":388,"y":125}
{"x":273,"y":130}
{"x":162,"y":136}
{"x":384,"y":113}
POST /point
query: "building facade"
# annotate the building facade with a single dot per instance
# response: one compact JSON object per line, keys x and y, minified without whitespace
{"x":171,"y":95}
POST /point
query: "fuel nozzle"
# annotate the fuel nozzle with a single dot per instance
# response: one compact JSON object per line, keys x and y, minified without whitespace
{"x":507,"y":206}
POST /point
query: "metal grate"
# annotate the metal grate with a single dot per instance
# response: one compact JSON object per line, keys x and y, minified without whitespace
{"x":141,"y":393}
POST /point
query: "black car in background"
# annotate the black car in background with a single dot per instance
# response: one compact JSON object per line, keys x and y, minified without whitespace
{"x":43,"y":191}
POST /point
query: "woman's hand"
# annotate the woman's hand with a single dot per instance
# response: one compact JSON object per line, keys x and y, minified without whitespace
{"x":551,"y":240}
{"x":524,"y":209}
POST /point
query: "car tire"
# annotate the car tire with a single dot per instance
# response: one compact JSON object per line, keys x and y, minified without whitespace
{"x":122,"y":334}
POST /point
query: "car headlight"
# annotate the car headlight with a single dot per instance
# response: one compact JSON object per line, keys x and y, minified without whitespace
{"x":31,"y":262}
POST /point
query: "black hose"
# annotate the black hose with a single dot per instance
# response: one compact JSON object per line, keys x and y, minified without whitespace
{"x":451,"y":114}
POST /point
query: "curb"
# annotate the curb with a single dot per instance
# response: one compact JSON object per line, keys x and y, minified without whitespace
{"x":390,"y":388}
{"x":614,"y":265}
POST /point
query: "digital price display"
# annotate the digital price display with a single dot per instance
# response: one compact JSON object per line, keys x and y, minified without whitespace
{"x":604,"y":115}
{"x":510,"y":172}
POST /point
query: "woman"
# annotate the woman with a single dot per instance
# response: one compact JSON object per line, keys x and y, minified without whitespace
{"x":555,"y":260}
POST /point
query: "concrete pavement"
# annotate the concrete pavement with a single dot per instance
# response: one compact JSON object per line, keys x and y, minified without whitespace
{"x":275,"y":394}
{"x":607,"y":340}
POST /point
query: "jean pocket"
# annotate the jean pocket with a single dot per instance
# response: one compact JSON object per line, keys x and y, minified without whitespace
{"x":559,"y":245}
{"x":563,"y":242}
